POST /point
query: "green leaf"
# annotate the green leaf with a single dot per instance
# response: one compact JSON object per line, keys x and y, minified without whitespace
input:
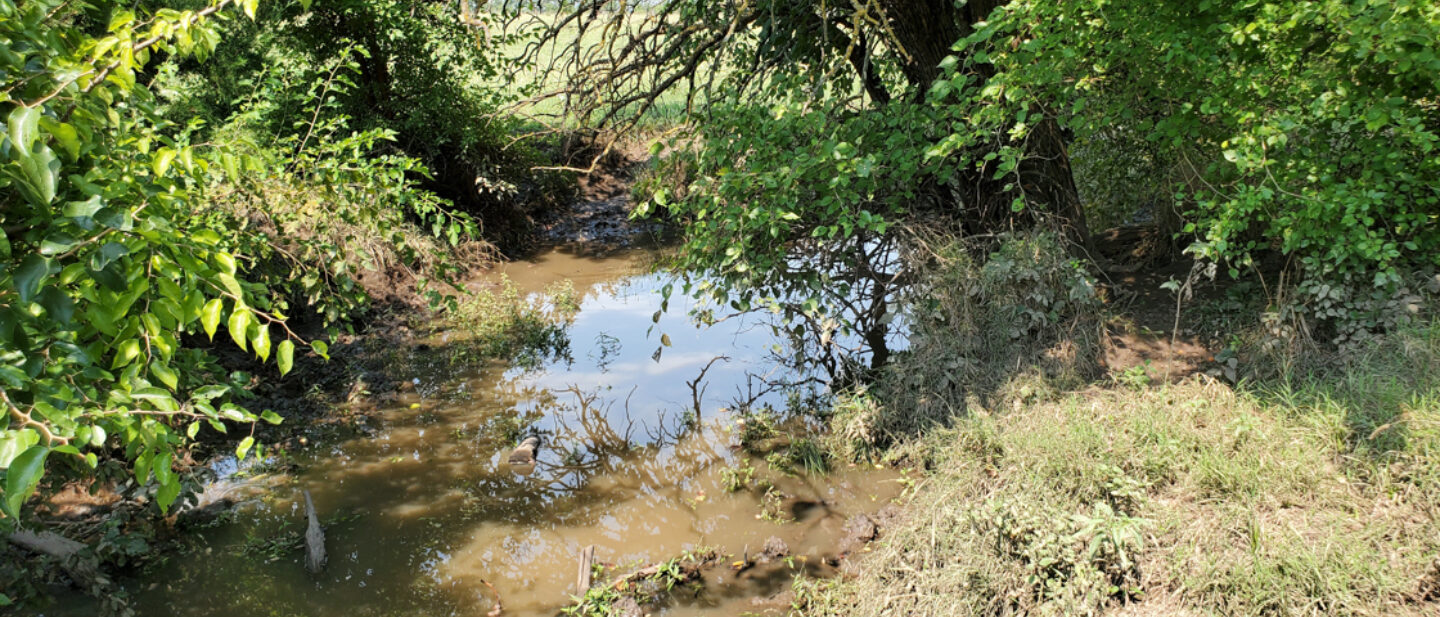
{"x":209,"y":392}
{"x":108,"y":253}
{"x":166,"y":495}
{"x":22,"y":477}
{"x":65,"y":135}
{"x":41,"y":172}
{"x":285,"y":356}
{"x":24,"y":123}
{"x":84,"y":209}
{"x":125,"y":353}
{"x":227,"y":262}
{"x":261,"y":342}
{"x":58,"y":305}
{"x":239,"y":325}
{"x":165,"y":374}
{"x":271,"y":417}
{"x":231,"y":285}
{"x":244,"y":447}
{"x":163,"y":158}
{"x":30,"y":275}
{"x":164,"y":473}
{"x":142,"y":468}
{"x":210,"y":316}
{"x":13,"y":443}
{"x":57,"y":243}
{"x":321,"y":349}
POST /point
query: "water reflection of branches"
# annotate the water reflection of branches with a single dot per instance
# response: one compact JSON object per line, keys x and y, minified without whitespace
{"x":588,"y":438}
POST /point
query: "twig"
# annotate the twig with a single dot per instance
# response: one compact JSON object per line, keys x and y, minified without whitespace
{"x":695,"y":391}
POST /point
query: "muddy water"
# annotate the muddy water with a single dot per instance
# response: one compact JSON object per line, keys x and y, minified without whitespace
{"x":427,"y":517}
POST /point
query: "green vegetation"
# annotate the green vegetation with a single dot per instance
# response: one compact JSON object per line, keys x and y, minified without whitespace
{"x":907,"y":187}
{"x":177,"y":173}
{"x":645,"y":586}
{"x":1312,"y":496}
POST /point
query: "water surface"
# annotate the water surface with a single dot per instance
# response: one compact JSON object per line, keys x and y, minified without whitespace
{"x":428,"y":518}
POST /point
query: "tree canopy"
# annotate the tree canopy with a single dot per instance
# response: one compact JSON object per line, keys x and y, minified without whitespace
{"x":1299,"y":127}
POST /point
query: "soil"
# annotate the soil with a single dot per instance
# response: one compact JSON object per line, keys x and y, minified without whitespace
{"x":859,"y":531}
{"x":1147,"y":333}
{"x":600,"y":221}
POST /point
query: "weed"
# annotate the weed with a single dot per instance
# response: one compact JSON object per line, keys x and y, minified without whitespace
{"x":802,"y":455}
{"x":738,"y":477}
{"x":1135,"y":377}
{"x":772,"y":507}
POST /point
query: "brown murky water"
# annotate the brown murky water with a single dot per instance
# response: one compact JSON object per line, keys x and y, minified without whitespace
{"x":427,"y":515}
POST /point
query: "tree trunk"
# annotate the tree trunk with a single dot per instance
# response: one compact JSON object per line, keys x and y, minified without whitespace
{"x":1048,"y":181}
{"x":926,"y":32}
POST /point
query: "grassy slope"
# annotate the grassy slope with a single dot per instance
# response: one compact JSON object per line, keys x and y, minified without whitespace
{"x":1319,"y":497}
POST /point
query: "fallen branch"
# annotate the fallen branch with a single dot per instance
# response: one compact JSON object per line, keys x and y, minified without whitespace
{"x":83,"y":569}
{"x":582,"y":578}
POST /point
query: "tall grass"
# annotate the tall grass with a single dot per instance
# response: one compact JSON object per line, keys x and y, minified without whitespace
{"x":1316,"y":494}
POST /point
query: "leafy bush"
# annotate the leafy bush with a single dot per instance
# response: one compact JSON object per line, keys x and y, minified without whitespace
{"x":411,"y":71}
{"x":974,"y":320}
{"x":128,"y":235}
{"x":1303,"y":127}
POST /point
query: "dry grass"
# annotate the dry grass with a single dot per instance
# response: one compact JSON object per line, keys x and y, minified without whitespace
{"x":1312,"y":496}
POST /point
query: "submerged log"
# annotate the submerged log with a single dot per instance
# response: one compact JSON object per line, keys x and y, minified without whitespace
{"x":83,"y":569}
{"x":524,"y":454}
{"x":314,"y":539}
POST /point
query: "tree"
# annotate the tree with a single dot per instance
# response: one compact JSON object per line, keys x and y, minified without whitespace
{"x":815,"y":132}
{"x":129,"y":238}
{"x":1302,"y":127}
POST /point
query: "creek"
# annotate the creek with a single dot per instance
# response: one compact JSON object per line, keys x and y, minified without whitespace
{"x":425,"y":516}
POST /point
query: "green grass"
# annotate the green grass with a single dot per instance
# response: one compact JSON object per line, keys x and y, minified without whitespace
{"x":1313,"y":495}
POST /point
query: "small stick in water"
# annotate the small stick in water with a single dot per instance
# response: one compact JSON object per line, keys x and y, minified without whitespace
{"x":498,"y":609}
{"x":582,"y":579}
{"x":314,"y":539}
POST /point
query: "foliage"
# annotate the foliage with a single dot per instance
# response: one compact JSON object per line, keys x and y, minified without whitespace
{"x":106,"y":266}
{"x":414,"y":73}
{"x":1300,"y":127}
{"x":1074,"y":561}
{"x":1004,"y":327}
{"x":1306,"y":127}
{"x":133,"y":232}
{"x":789,"y":210}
